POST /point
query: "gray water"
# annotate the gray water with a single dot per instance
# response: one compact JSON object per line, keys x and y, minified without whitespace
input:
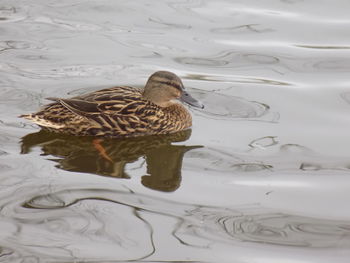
{"x":262,"y":177}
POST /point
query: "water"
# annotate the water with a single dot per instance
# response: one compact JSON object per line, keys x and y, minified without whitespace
{"x":262,"y":177}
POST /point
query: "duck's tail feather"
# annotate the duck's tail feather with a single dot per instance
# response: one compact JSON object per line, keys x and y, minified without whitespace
{"x":41,"y":121}
{"x":25,"y":116}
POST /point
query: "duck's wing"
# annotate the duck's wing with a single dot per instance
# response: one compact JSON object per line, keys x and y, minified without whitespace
{"x":79,"y":107}
{"x":128,"y":115}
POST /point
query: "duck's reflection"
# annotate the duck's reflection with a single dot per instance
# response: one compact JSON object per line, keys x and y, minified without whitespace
{"x":108,"y":157}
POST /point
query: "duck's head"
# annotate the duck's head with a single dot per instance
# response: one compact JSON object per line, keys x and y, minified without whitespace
{"x":163,"y":86}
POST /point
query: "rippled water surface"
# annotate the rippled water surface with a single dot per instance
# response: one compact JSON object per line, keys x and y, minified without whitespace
{"x":262,"y":177}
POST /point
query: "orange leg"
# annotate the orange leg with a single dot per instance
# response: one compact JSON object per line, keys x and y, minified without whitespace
{"x":100,"y":149}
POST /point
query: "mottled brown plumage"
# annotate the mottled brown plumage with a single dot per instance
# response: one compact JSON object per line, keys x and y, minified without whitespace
{"x":121,"y":111}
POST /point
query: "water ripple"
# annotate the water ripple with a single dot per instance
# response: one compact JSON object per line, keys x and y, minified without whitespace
{"x":241,"y":29}
{"x":72,"y":71}
{"x":220,"y":106}
{"x":236,"y":79}
{"x":69,"y":229}
{"x":24,"y":99}
{"x":264,"y":142}
{"x":169,"y":25}
{"x":253,"y":224}
{"x":19,"y":45}
{"x":323,"y":47}
{"x":211,"y":159}
{"x":5,"y":253}
{"x":268,"y":228}
{"x":265,"y":155}
{"x":67,"y":24}
{"x":63,"y":225}
{"x":12,"y":14}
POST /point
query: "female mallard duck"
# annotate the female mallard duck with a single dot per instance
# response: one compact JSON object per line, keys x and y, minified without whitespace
{"x":121,"y":111}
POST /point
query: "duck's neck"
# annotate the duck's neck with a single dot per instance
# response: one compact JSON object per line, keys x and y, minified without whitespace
{"x":157,"y":96}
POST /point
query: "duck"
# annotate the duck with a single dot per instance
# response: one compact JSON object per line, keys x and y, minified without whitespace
{"x":121,"y":111}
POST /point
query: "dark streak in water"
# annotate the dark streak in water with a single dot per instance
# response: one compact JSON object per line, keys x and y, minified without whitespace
{"x":169,"y":25}
{"x":236,"y":79}
{"x":151,"y":233}
{"x":251,"y":167}
{"x":250,"y":28}
{"x":310,"y":167}
{"x":323,"y":47}
{"x":4,"y":252}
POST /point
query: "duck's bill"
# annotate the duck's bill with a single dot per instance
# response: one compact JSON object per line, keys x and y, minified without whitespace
{"x":187,"y":98}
